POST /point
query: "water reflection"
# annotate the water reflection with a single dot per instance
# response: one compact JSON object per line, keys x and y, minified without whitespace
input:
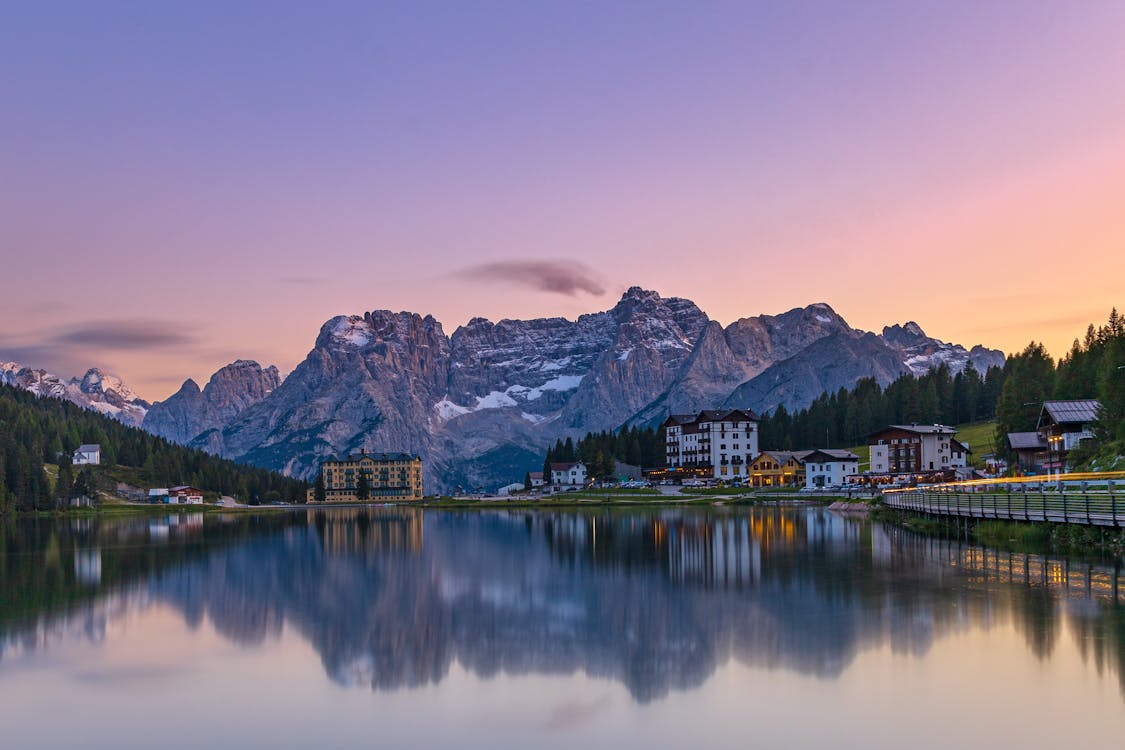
{"x":392,"y":598}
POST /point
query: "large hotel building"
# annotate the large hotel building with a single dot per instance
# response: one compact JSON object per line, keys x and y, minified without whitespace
{"x":719,"y":444}
{"x":390,"y":476}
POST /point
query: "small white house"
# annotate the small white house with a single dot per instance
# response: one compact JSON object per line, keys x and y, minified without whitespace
{"x":568,"y":474}
{"x":508,"y":489}
{"x":185,"y":495}
{"x":825,"y":467}
{"x":87,"y":455}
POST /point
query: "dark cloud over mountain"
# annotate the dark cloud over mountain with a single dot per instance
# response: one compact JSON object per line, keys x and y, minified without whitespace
{"x":555,"y":276}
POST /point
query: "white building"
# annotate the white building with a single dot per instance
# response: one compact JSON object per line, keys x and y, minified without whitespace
{"x":87,"y":455}
{"x":568,"y":474}
{"x":185,"y":495}
{"x":719,"y":442}
{"x":508,"y":489}
{"x":825,"y":467}
{"x":916,"y":449}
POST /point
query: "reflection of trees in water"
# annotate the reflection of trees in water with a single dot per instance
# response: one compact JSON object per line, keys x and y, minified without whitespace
{"x":1038,"y":592}
{"x":658,"y":600}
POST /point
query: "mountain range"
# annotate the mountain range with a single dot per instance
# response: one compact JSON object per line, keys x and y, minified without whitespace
{"x":481,"y":405}
{"x":96,"y":390}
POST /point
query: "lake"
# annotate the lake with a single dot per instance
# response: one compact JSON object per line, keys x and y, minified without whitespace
{"x":404,"y":628}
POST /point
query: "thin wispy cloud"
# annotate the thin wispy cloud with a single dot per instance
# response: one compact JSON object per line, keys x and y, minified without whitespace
{"x":125,"y":334}
{"x":565,"y":277}
{"x":303,"y":280}
{"x":72,"y":349}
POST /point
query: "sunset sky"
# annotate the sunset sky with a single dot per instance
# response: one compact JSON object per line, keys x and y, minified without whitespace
{"x":184,"y":184}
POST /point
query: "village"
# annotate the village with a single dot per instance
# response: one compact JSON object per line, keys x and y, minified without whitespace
{"x":714,"y":448}
{"x":720,"y":448}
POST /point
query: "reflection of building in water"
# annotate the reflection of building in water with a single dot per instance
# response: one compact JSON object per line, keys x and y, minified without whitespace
{"x":348,"y":530}
{"x":705,"y":549}
{"x":727,"y":551}
{"x":88,"y":566}
{"x":981,"y":565}
{"x":175,"y":525}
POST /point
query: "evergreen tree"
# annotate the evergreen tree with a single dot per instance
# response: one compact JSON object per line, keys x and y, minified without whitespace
{"x":64,"y":484}
{"x":1028,"y":383}
{"x":1111,"y":392}
{"x":363,"y":487}
{"x":320,"y":494}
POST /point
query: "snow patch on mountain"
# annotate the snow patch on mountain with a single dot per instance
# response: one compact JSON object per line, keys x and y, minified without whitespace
{"x":555,"y":365}
{"x":352,"y":330}
{"x":447,"y":410}
{"x":494,"y":400}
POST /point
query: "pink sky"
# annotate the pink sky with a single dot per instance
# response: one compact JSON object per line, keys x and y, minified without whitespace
{"x":187,"y":187}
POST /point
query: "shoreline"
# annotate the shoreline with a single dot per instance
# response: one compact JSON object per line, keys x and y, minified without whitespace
{"x":451,"y":503}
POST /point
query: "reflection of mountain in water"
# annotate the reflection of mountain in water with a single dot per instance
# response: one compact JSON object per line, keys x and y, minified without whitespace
{"x":658,"y":600}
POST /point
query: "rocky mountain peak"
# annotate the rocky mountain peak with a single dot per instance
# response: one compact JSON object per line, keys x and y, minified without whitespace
{"x":229,"y":392}
{"x":907,"y":334}
{"x":97,"y":382}
{"x":189,"y":388}
{"x":639,"y":293}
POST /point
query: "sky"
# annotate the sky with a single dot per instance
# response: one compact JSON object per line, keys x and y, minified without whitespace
{"x":185,"y":184}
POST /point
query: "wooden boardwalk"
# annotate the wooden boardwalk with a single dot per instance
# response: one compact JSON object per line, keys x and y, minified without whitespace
{"x":1091,"y":501}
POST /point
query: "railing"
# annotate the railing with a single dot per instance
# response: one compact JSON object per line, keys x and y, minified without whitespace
{"x":1088,"y":499}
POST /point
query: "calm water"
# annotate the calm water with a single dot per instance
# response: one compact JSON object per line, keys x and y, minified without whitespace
{"x":403,"y":628}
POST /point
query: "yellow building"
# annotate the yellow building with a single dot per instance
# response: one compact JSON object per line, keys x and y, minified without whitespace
{"x":778,"y":468}
{"x":389,"y":476}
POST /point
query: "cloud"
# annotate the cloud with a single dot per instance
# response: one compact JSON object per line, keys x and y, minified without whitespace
{"x":573,"y":714}
{"x":71,"y":350}
{"x":555,"y":276}
{"x":125,"y":334}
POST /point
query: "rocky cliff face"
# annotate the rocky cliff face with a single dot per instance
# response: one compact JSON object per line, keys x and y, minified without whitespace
{"x":921,"y":353}
{"x":723,"y":359}
{"x":370,"y":382}
{"x":96,"y":390}
{"x":190,"y":412}
{"x":481,"y":405}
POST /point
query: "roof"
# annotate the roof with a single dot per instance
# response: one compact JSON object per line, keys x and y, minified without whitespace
{"x":712,"y":415}
{"x":183,"y":488}
{"x":829,"y":455}
{"x":380,"y":457}
{"x":1077,"y":411}
{"x":964,"y":448}
{"x":783,"y":456}
{"x":567,"y":466}
{"x":1026,"y":441}
{"x":917,"y":429}
{"x":89,"y":448}
{"x":719,"y":415}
